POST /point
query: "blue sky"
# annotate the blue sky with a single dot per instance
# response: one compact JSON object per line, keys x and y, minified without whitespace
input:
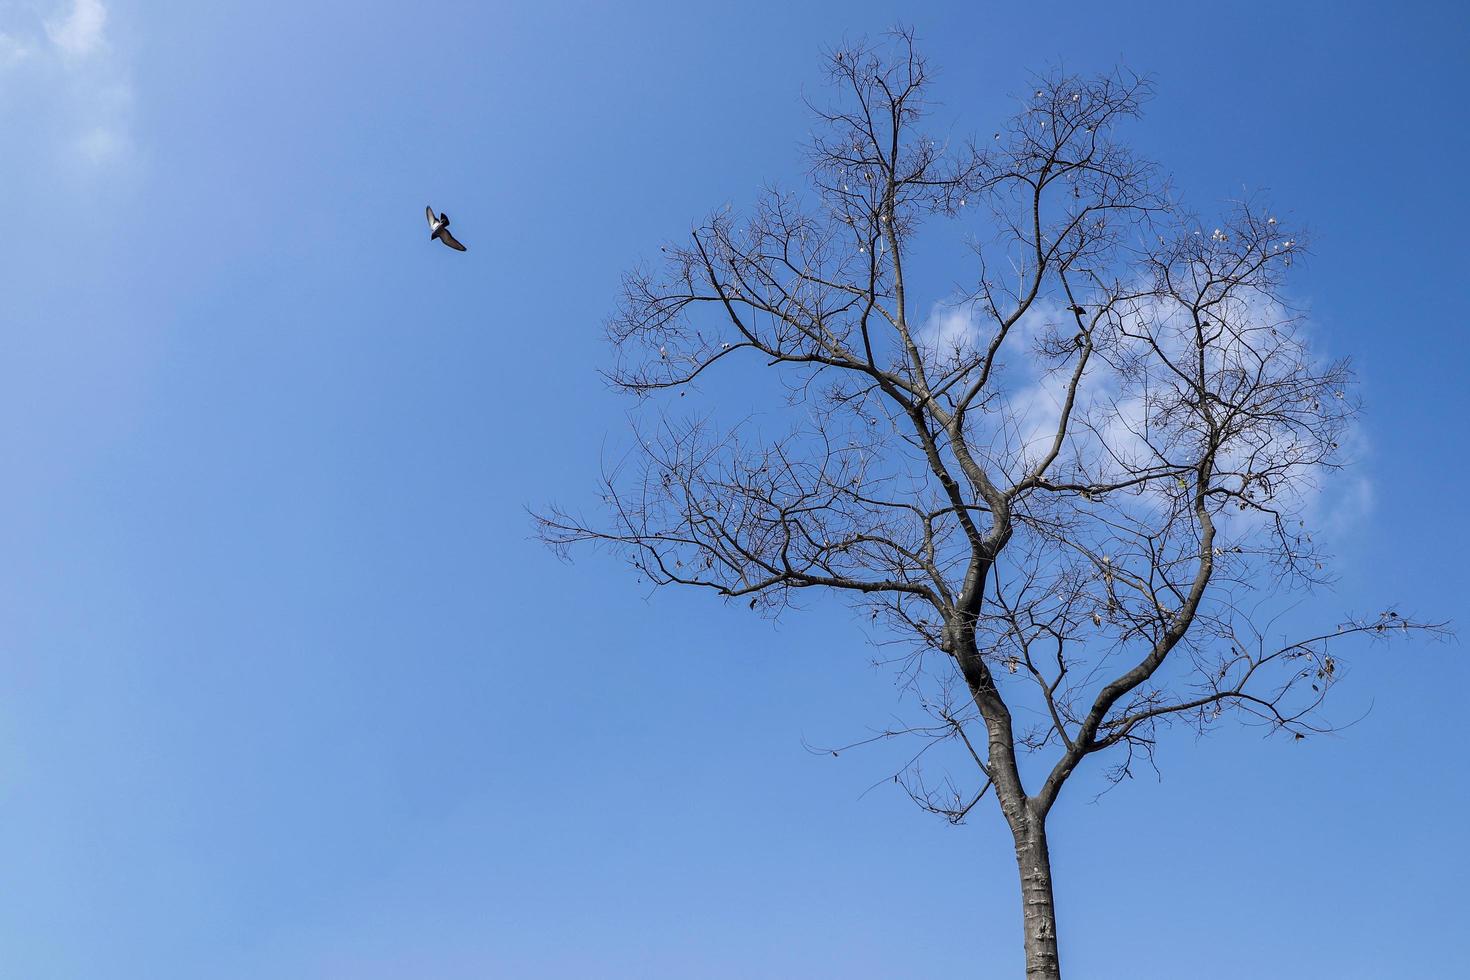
{"x":289,"y":691}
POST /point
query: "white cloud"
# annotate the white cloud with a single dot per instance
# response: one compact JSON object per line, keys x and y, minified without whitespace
{"x":12,"y":50}
{"x":100,"y":143}
{"x":1035,"y":397}
{"x":1343,"y":501}
{"x":78,"y":34}
{"x":71,"y":85}
{"x":950,"y":328}
{"x":1112,"y":412}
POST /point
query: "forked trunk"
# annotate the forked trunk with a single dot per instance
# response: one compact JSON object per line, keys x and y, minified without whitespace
{"x":1039,"y":916}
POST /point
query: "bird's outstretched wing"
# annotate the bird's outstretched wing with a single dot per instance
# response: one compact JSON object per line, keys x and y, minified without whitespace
{"x":450,"y":240}
{"x":430,"y":212}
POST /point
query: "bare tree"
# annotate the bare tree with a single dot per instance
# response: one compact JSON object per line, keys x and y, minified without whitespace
{"x":1078,"y":498}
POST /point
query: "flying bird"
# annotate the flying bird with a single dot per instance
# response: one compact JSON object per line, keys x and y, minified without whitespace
{"x":439,"y":228}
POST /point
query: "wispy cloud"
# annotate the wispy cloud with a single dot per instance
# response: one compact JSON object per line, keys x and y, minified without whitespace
{"x":950,"y":329}
{"x":77,"y":32}
{"x":1034,"y":405}
{"x":1113,"y":413}
{"x":74,"y":84}
{"x":13,"y":51}
{"x":100,"y":144}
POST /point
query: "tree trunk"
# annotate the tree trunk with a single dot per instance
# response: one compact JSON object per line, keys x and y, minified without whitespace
{"x":1039,"y":915}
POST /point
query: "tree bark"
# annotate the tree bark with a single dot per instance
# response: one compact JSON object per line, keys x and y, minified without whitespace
{"x":1039,"y":916}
